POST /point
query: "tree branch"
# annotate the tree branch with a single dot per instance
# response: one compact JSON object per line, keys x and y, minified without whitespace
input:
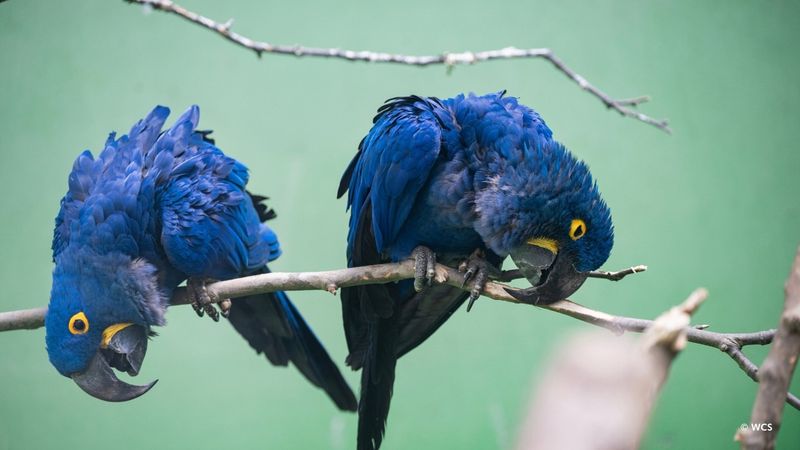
{"x":776,"y":372}
{"x":24,"y":319}
{"x":622,"y":106}
{"x":599,"y":392}
{"x":730,"y":343}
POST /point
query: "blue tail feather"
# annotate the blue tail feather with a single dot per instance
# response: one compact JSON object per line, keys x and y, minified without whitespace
{"x":272,"y":325}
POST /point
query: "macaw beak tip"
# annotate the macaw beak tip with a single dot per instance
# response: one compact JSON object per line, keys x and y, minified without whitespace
{"x":100,"y":382}
{"x":553,"y":276}
{"x":125,"y":352}
{"x":528,"y":295}
{"x":551,"y":291}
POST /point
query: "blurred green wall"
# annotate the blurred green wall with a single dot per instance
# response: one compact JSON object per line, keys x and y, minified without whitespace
{"x":714,"y":205}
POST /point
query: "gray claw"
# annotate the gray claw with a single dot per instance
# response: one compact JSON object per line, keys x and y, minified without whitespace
{"x":201,"y":301}
{"x":424,"y":267}
{"x":481,"y":277}
{"x":431,"y":263}
{"x":225,"y":307}
{"x":472,"y":297}
{"x":212,"y":312}
{"x":197,"y":308}
{"x":475,"y":269}
{"x":470,"y":271}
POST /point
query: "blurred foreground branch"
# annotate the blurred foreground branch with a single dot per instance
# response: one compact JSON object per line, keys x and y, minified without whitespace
{"x":332,"y":280}
{"x":776,"y":372}
{"x":599,"y":392}
{"x":623,"y":106}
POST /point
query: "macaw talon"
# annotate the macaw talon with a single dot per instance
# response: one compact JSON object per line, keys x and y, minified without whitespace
{"x":472,"y":265}
{"x":201,"y":301}
{"x":477,"y":288}
{"x":198,"y":309}
{"x":477,"y":270}
{"x":480,"y":280}
{"x":424,"y":267}
{"x":212,"y":312}
{"x":225,"y":307}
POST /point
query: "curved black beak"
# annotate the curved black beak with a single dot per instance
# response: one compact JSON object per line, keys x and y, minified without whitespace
{"x":552,"y":275}
{"x":124,"y":350}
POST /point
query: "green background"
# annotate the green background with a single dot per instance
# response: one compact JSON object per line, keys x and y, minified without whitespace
{"x":713,"y":205}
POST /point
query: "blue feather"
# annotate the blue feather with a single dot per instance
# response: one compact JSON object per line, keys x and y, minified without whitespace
{"x":153,"y":209}
{"x":463,"y":174}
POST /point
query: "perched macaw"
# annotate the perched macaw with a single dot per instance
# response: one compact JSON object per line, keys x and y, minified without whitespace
{"x":154,"y":209}
{"x":469,"y":181}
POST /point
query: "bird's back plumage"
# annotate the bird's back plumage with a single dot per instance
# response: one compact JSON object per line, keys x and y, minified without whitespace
{"x":176,"y":205}
{"x":458,"y":175}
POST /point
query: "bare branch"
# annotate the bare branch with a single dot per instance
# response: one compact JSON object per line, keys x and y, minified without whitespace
{"x":616,"y":276}
{"x":515,"y":274}
{"x":776,"y":372}
{"x":622,"y":106}
{"x":332,"y":280}
{"x":24,"y":319}
{"x":749,"y":368}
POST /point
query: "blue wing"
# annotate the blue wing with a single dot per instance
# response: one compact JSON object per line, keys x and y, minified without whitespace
{"x":391,"y":166}
{"x":210,"y":227}
{"x":177,"y":201}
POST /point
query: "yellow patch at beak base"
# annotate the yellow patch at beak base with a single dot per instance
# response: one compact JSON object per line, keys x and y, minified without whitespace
{"x":545,"y":243}
{"x":109,"y":333}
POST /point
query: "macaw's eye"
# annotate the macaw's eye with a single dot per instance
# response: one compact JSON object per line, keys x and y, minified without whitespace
{"x":78,"y":324}
{"x":577,"y":229}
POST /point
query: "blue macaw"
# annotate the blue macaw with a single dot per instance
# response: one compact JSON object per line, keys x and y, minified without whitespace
{"x":468,"y":180}
{"x":154,"y":209}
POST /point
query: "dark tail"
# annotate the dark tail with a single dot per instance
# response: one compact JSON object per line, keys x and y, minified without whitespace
{"x":273,"y":326}
{"x":377,"y":381}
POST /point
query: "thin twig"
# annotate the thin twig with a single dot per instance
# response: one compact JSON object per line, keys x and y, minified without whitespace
{"x":515,"y":274}
{"x":616,"y":276}
{"x":332,"y":280}
{"x":622,"y":106}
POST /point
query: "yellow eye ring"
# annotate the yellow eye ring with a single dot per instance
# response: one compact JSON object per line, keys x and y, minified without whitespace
{"x":78,"y":324}
{"x":577,"y":229}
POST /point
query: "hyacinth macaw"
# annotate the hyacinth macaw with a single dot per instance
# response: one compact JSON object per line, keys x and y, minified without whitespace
{"x":469,"y":181}
{"x":154,"y":209}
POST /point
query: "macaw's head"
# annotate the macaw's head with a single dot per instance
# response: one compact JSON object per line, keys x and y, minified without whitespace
{"x":99,"y":317}
{"x":545,"y":211}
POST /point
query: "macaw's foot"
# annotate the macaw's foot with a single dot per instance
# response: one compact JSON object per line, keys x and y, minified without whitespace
{"x":424,"y":267}
{"x":477,"y":270}
{"x":201,"y":301}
